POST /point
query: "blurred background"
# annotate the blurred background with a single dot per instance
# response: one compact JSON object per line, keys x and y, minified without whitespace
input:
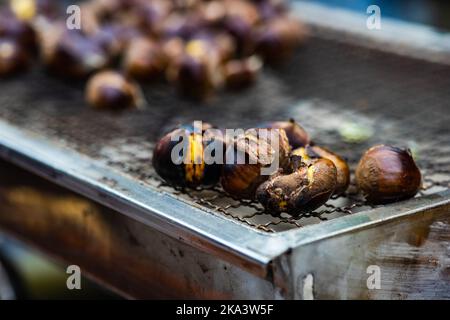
{"x":24,"y":273}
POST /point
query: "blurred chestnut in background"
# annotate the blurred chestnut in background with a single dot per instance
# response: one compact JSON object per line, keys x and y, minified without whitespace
{"x":13,"y":57}
{"x":310,"y":153}
{"x":240,"y":19}
{"x":302,"y":189}
{"x":269,"y":9}
{"x":144,"y":59}
{"x":241,"y":73}
{"x":17,"y":30}
{"x":111,"y":90}
{"x":242,"y":177}
{"x":72,"y":54}
{"x":194,"y":73}
{"x":189,"y":168}
{"x":386,"y":174}
{"x":277,"y":39}
{"x":297,"y":136}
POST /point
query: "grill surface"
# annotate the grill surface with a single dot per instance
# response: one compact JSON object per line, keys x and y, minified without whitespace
{"x":328,"y":85}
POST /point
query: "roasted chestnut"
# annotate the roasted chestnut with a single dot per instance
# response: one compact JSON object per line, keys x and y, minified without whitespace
{"x":72,"y":54}
{"x":111,"y":90}
{"x":241,"y":73}
{"x":386,"y":174}
{"x":297,"y":136}
{"x":144,"y":59}
{"x":13,"y":57}
{"x":309,"y":153}
{"x":249,"y":157}
{"x":240,"y":19}
{"x":180,"y":158}
{"x":302,"y":189}
{"x":277,"y":39}
{"x":17,"y":30}
{"x":194,"y":72}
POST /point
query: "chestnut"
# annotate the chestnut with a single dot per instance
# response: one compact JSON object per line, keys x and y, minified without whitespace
{"x":309,"y":153}
{"x":13,"y":57}
{"x":240,"y":19}
{"x":297,"y":136}
{"x":180,"y":25}
{"x":241,"y":73}
{"x":188,"y":168}
{"x":302,"y":189}
{"x":144,"y":59}
{"x":17,"y":30}
{"x":386,"y":174}
{"x":194,"y":72}
{"x":242,"y":172}
{"x":111,"y":90}
{"x":72,"y":54}
{"x":277,"y":39}
{"x":213,"y":12}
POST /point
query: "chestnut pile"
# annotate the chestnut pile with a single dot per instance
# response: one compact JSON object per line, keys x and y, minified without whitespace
{"x":198,"y":46}
{"x":307,"y":175}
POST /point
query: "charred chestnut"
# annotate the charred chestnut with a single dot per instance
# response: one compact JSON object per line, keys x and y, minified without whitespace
{"x":248,"y":156}
{"x":144,"y":60}
{"x":111,"y":90}
{"x":13,"y":57}
{"x":297,"y":136}
{"x":241,"y":73}
{"x":186,"y":166}
{"x":310,"y":153}
{"x":304,"y":188}
{"x":386,"y":174}
{"x":277,"y":39}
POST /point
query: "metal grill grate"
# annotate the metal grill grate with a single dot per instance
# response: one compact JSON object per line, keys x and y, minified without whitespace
{"x":330,"y":85}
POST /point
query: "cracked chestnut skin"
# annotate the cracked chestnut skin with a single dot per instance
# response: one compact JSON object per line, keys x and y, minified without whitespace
{"x":194,"y":173}
{"x":309,"y":153}
{"x":386,"y":174}
{"x":297,"y":136}
{"x":302,"y":189}
{"x":242,"y":180}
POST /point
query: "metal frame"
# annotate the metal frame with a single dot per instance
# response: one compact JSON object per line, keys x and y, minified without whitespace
{"x":288,"y":260}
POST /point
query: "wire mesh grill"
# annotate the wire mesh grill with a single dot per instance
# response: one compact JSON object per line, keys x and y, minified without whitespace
{"x":431,"y":149}
{"x":330,"y":86}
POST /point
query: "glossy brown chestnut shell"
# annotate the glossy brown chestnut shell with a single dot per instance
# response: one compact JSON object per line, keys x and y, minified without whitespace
{"x":309,"y":153}
{"x":241,"y":178}
{"x":194,"y":171}
{"x":386,"y":174}
{"x":13,"y":57}
{"x":111,"y":90}
{"x":302,"y":189}
{"x":297,"y":136}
